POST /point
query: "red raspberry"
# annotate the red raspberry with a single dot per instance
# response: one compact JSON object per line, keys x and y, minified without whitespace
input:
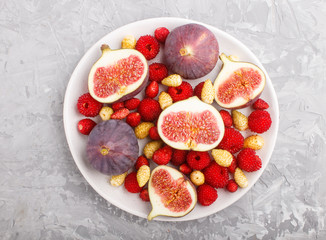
{"x":152,"y":90}
{"x":206,"y":194}
{"x":148,"y":46}
{"x":215,"y":175}
{"x":233,"y":165}
{"x":131,"y":183}
{"x":227,"y":119}
{"x":161,"y":34}
{"x":248,"y":160}
{"x":157,"y":72}
{"x":141,"y":160}
{"x":118,"y":105}
{"x":198,"y":160}
{"x":163,"y":155}
{"x":149,"y":109}
{"x":88,"y":106}
{"x":198,"y":89}
{"x":85,"y":126}
{"x":260,"y":104}
{"x":133,"y":119}
{"x":144,"y":195}
{"x":132,"y":103}
{"x":120,"y":114}
{"x":185,"y":169}
{"x":153,"y":133}
{"x":259,"y":121}
{"x":232,"y":141}
{"x":178,"y":157}
{"x":182,"y":92}
{"x":232,"y":186}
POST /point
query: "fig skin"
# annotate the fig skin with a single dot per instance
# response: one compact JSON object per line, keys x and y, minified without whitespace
{"x":112,"y":147}
{"x":191,"y":51}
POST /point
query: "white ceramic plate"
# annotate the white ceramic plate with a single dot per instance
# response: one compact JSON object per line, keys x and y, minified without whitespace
{"x":77,"y":85}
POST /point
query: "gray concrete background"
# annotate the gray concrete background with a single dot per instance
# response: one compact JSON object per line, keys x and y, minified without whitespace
{"x":44,"y":196}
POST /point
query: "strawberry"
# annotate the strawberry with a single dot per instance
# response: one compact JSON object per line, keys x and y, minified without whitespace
{"x":215,"y":175}
{"x":198,"y":160}
{"x":232,"y":186}
{"x":157,"y":72}
{"x":148,"y":46}
{"x":133,"y":119}
{"x":240,"y":121}
{"x":116,"y":106}
{"x":141,"y":160}
{"x":88,"y":106}
{"x":120,"y":114}
{"x":233,"y":165}
{"x":248,"y":160}
{"x":151,"y":147}
{"x":152,"y":90}
{"x":149,"y":109}
{"x":254,"y":142}
{"x":131,"y":183}
{"x":197,"y":177}
{"x":206,"y":195}
{"x":144,"y":195}
{"x":227,"y":119}
{"x":129,"y":41}
{"x":240,"y":178}
{"x":174,"y":80}
{"x":163,"y":155}
{"x":178,"y":157}
{"x":232,"y":141}
{"x":181,"y":92}
{"x":153,"y":133}
{"x":143,"y":175}
{"x":260,"y":104}
{"x":222,"y":157}
{"x":132,"y":103}
{"x":161,"y":34}
{"x":165,"y":100}
{"x":185,"y":169}
{"x":259,"y":121}
{"x":142,"y":130}
{"x":85,"y":126}
{"x":198,"y":89}
{"x":208,"y":92}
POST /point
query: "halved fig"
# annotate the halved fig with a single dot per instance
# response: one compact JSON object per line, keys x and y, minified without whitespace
{"x":112,"y":147}
{"x":170,"y":192}
{"x":191,"y":124}
{"x":238,"y":84}
{"x":117,"y":75}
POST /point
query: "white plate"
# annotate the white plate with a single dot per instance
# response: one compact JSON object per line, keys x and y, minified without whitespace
{"x":77,"y":85}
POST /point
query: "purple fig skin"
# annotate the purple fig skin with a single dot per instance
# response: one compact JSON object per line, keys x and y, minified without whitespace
{"x":203,"y":47}
{"x":112,"y":147}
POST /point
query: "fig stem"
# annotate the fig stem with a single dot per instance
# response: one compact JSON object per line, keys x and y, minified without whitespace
{"x":184,"y":52}
{"x":105,"y":47}
{"x":224,"y":58}
{"x":104,"y":151}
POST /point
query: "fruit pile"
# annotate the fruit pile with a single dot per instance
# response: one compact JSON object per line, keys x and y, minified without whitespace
{"x":204,"y":147}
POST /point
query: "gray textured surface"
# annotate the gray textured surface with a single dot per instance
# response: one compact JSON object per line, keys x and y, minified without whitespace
{"x":44,"y":196}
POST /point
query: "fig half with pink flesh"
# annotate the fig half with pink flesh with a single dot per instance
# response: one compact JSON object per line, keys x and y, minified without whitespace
{"x":170,"y":192}
{"x":191,"y":125}
{"x":117,"y":75}
{"x":238,"y":84}
{"x":112,"y":147}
